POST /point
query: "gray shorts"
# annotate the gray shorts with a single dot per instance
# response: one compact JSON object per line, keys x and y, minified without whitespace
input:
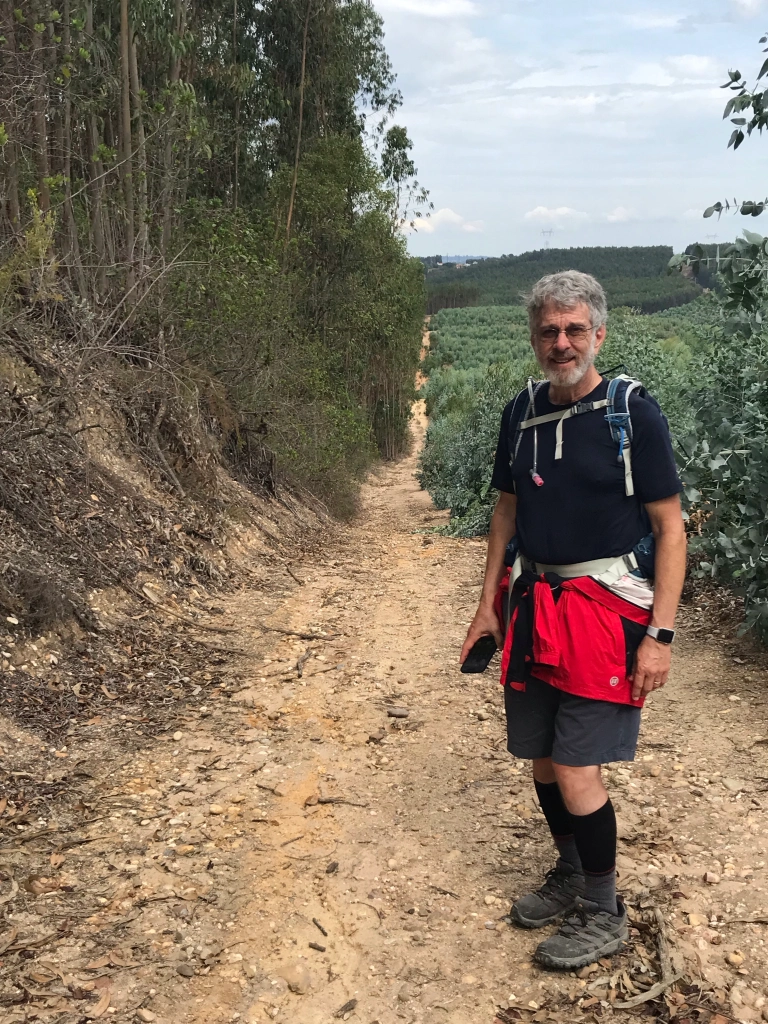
{"x":575,"y":731}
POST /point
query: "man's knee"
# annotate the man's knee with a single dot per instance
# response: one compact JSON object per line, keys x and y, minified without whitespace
{"x":582,"y":788}
{"x":543,"y":770}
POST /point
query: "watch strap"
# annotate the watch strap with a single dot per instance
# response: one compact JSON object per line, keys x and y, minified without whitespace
{"x":662,"y":636}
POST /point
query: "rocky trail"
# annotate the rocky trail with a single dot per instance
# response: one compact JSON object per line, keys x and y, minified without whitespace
{"x":335,"y":831}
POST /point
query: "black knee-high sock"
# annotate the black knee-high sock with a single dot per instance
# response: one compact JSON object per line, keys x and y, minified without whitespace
{"x":595,"y":836}
{"x":559,"y":821}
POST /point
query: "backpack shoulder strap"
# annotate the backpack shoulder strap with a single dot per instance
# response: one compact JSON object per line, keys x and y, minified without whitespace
{"x":522,"y":409}
{"x":620,"y":423}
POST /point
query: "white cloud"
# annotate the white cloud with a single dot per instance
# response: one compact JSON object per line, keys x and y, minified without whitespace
{"x":446,"y":218}
{"x":430,"y":8}
{"x":650,"y":20}
{"x":507,"y":119}
{"x":621,"y":215}
{"x":557,"y":217}
{"x":749,"y":7}
{"x":695,"y":67}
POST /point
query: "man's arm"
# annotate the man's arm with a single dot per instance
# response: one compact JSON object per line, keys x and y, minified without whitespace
{"x":653,"y":659}
{"x":502,"y":532}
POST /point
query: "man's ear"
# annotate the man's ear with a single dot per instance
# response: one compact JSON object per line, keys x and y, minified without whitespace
{"x":600,"y":334}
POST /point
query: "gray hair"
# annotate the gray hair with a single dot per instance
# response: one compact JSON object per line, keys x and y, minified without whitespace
{"x":566,"y":290}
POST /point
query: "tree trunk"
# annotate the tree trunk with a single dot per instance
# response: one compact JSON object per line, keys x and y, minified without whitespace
{"x":96,"y":183}
{"x":11,"y":150}
{"x":55,"y":102}
{"x":237,"y":106}
{"x":39,"y":105}
{"x":69,"y":213}
{"x":127,"y":148}
{"x":302,"y":84}
{"x":141,"y":159}
{"x":173,"y":81}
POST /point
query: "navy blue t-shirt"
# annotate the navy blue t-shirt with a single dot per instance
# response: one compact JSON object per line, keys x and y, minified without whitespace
{"x":582,"y":512}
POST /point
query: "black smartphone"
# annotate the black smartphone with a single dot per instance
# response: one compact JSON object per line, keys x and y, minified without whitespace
{"x":479,"y":658}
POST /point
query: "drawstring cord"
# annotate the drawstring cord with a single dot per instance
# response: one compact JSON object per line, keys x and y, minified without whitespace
{"x":534,"y":471}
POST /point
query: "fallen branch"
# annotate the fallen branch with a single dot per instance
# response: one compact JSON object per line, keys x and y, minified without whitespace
{"x":445,"y":892}
{"x":668,"y":978}
{"x":340,"y":800}
{"x":303,"y":661}
{"x":321,"y":671}
{"x":295,"y":839}
{"x":653,"y":993}
{"x":301,"y":636}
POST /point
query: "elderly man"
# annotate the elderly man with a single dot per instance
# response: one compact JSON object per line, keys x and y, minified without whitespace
{"x":589,"y":633}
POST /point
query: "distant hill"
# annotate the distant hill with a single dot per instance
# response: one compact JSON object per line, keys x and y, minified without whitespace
{"x":634,"y":276}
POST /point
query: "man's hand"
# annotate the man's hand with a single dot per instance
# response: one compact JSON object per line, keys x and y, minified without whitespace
{"x":485,"y":623}
{"x":651,"y":672}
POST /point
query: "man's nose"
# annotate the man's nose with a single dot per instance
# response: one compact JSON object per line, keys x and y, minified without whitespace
{"x":563,"y":342}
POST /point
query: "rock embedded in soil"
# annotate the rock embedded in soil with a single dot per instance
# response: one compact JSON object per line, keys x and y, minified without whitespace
{"x":146,"y":1016}
{"x":185,"y":970}
{"x":298,"y":979}
{"x":398,"y":712}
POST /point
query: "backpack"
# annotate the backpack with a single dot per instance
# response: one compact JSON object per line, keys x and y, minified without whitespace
{"x":617,"y":414}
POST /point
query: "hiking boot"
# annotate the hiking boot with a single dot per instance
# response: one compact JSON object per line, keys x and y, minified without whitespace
{"x":586,"y":935}
{"x":559,"y":894}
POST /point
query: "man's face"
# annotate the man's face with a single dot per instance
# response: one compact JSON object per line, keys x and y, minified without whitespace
{"x":566,"y":344}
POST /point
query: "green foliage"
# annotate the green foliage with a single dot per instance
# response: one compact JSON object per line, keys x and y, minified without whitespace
{"x":474,"y":338}
{"x":637,"y":277}
{"x":457,"y":461}
{"x":726,"y":473}
{"x":31,"y":267}
{"x":318,"y":351}
{"x":726,"y":468}
{"x":253,"y":224}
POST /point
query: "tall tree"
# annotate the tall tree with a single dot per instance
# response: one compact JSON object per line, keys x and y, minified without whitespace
{"x":40,"y":107}
{"x":126,"y":148}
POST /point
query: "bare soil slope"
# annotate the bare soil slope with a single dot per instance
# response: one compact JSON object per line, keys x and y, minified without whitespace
{"x":288,"y":850}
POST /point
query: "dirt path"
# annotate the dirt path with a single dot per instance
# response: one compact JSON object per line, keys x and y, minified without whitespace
{"x":292,"y":812}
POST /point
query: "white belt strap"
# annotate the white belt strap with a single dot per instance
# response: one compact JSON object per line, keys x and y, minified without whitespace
{"x":606,"y":570}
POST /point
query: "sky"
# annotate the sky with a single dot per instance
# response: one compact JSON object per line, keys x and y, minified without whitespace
{"x":600,"y":121}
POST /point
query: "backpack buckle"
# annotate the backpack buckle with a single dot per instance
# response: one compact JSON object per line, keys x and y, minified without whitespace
{"x":582,"y":407}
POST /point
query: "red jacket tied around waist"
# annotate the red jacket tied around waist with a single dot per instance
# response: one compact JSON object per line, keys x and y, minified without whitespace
{"x":575,"y":634}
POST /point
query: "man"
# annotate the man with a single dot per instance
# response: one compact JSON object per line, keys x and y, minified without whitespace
{"x":587,"y":641}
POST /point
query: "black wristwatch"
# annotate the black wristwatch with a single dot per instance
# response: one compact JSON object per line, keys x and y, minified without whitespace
{"x":662,"y":636}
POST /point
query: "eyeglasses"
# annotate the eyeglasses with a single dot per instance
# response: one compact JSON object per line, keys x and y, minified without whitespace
{"x":574,"y":332}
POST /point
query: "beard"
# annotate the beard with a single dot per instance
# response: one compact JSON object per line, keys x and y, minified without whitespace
{"x":572,"y":373}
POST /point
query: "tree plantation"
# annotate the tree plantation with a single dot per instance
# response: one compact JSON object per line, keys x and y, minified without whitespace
{"x":214,"y":191}
{"x":635,"y":276}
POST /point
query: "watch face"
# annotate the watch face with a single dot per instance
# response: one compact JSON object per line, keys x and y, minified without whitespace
{"x":666,"y":636}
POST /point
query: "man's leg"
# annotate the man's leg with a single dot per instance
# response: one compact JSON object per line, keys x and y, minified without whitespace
{"x":590,"y":733}
{"x":594,"y":831}
{"x":531,"y":715}
{"x":557,"y":815}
